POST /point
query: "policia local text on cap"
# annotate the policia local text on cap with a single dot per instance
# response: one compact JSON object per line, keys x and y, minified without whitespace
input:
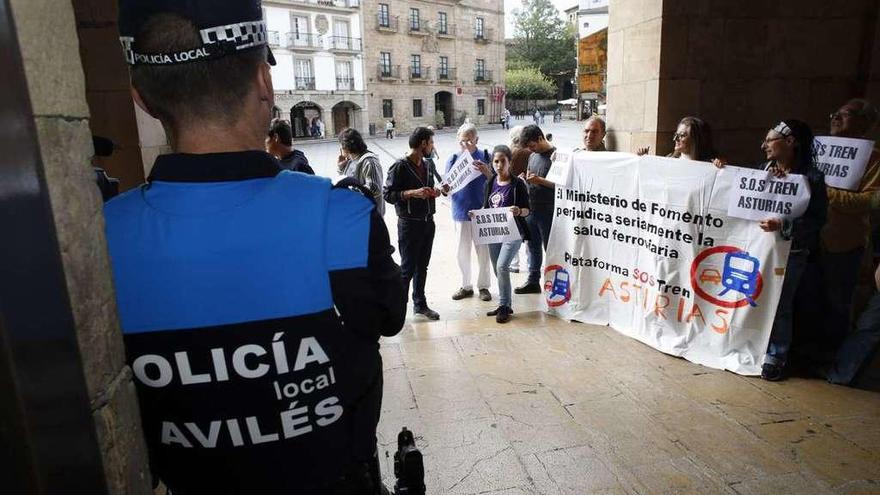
{"x":228,"y":269}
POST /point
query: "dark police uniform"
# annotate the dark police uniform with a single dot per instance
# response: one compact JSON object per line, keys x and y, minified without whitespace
{"x":227,"y":271}
{"x":251,"y":300}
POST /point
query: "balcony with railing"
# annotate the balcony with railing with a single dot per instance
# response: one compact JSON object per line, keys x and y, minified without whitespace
{"x":303,"y":41}
{"x":418,"y":28}
{"x":484,"y":35}
{"x":274,"y":39}
{"x":482,"y":76}
{"x":419,"y":74}
{"x":387,"y":23}
{"x":388,"y":72}
{"x":446,"y":75}
{"x":345,"y":83}
{"x":304,"y":83}
{"x":447,"y":31}
{"x":345,"y":43}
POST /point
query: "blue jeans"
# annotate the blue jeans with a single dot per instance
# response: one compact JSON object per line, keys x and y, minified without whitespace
{"x":502,"y":255}
{"x":859,"y":346}
{"x":539,"y":221}
{"x":840,"y":273}
{"x":781,"y":335}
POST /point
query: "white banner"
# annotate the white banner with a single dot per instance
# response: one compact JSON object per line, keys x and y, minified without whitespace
{"x":494,"y":225}
{"x":645,"y":245}
{"x":461,"y":173}
{"x":842,"y":160}
{"x":758,"y":195}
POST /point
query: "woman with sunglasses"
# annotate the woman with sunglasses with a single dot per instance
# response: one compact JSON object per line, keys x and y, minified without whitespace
{"x":692,"y":141}
{"x":789,"y":150}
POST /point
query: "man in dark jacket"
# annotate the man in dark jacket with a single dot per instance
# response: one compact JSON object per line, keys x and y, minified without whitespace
{"x":410,"y":188}
{"x":279,"y":142}
{"x":251,"y":298}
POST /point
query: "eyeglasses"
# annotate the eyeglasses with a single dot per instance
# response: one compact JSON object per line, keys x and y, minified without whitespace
{"x":677,"y":136}
{"x":770,"y":140}
{"x":845,"y":113}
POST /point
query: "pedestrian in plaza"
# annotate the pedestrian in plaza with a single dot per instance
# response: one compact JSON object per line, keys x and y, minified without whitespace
{"x":470,"y":197}
{"x":541,"y":199}
{"x":410,"y":188}
{"x":505,"y":119}
{"x":846,"y":233}
{"x":789,"y":150}
{"x":237,"y":280}
{"x":279,"y":142}
{"x":389,"y":130}
{"x":537,"y":117}
{"x":504,"y":190}
{"x":594,"y":134}
{"x":361,"y":164}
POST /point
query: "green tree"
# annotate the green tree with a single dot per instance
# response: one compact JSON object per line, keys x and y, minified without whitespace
{"x":528,"y":84}
{"x":542,"y":39}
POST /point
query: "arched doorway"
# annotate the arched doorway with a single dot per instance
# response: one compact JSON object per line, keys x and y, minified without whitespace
{"x":443,"y":103}
{"x":345,"y":115}
{"x":304,"y":118}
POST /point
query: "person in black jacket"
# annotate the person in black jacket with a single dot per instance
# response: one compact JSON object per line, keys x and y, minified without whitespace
{"x":251,"y":298}
{"x":503,"y":190}
{"x":410,"y":188}
{"x":279,"y":142}
{"x":789,"y":149}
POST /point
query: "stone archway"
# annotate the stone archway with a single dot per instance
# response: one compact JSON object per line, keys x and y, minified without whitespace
{"x":345,"y":114}
{"x":304,"y":118}
{"x":443,"y":103}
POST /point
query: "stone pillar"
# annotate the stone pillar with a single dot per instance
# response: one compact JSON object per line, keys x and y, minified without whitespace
{"x":47,"y":37}
{"x":740,"y":66}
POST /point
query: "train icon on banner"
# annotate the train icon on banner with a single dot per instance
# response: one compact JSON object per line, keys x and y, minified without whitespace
{"x":729,"y":282}
{"x":557,"y":285}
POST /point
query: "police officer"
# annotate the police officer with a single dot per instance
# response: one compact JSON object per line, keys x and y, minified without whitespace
{"x":251,"y":298}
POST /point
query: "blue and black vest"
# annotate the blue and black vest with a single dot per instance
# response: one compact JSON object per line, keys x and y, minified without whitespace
{"x":248,"y":381}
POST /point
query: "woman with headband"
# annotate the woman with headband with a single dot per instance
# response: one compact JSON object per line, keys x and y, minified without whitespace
{"x":789,"y":150}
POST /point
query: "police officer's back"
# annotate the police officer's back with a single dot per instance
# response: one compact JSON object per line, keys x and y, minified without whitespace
{"x":228,"y":270}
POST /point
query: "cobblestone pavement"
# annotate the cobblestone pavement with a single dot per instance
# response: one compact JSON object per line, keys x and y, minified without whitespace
{"x":545,"y":406}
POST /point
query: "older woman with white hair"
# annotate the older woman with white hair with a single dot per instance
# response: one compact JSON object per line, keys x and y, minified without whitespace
{"x":470,"y":197}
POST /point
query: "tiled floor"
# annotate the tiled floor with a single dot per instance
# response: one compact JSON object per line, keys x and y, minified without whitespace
{"x":544,"y":406}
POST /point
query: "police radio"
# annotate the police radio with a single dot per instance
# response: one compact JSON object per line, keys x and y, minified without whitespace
{"x":408,"y":467}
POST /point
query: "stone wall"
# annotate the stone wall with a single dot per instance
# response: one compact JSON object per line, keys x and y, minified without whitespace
{"x":48,"y":40}
{"x":461,"y":49}
{"x":742,"y":67}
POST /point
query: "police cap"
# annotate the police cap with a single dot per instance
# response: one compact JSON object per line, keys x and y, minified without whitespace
{"x":226,"y":27}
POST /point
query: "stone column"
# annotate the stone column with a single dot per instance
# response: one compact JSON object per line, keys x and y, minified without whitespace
{"x":47,"y":37}
{"x":740,"y":66}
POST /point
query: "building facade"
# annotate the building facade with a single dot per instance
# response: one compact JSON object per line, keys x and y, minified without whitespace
{"x":319,"y":76}
{"x":434,"y":62}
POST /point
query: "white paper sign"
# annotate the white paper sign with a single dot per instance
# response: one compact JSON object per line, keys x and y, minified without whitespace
{"x":494,"y":225}
{"x":645,"y":245}
{"x":842,"y":160}
{"x":461,"y":173}
{"x":758,"y":195}
{"x":560,"y":170}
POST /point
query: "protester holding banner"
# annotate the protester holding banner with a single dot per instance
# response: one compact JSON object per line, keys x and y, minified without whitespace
{"x":410,"y":188}
{"x":692,"y":141}
{"x":468,"y":198}
{"x":504,"y":190}
{"x":845,"y":235}
{"x":541,"y":198}
{"x":594,"y":134}
{"x":789,"y":150}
